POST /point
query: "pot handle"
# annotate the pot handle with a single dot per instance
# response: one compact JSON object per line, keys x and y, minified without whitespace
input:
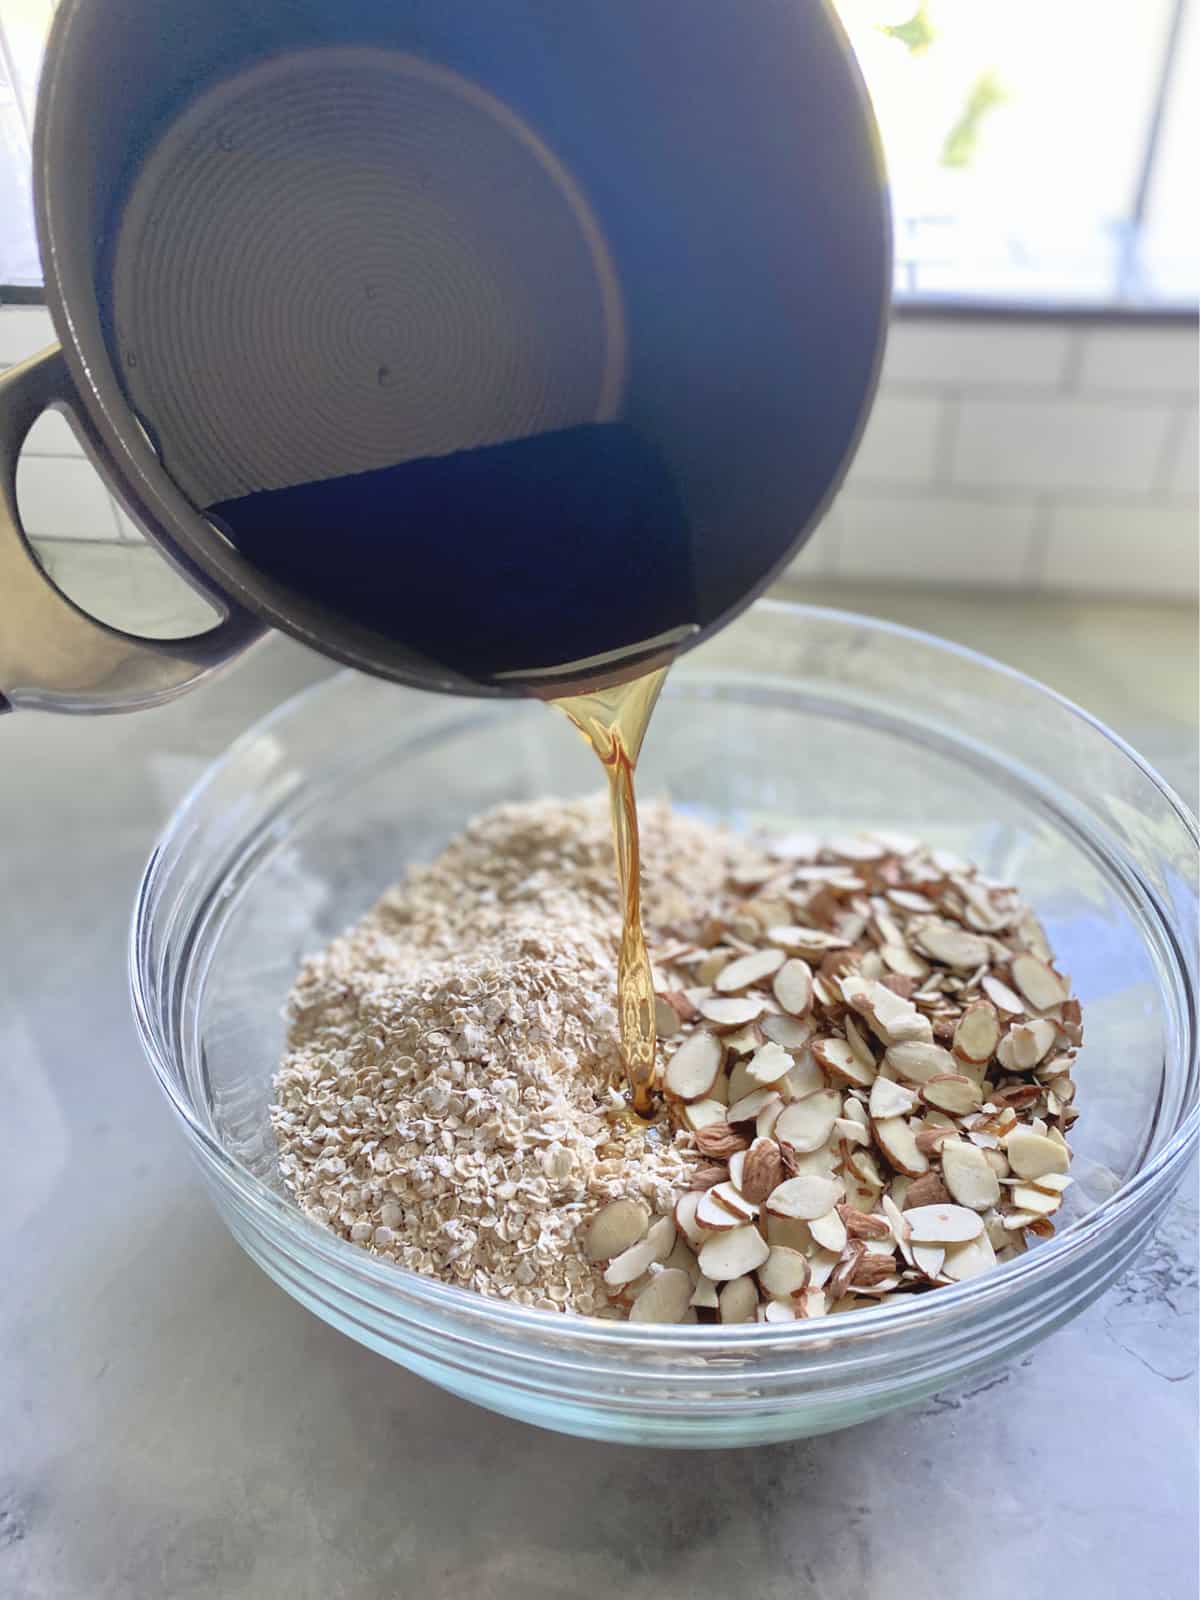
{"x":53,"y":655}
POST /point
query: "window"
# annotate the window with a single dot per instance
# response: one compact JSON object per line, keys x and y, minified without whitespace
{"x":1039,"y":150}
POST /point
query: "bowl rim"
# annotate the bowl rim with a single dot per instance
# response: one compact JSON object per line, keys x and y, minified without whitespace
{"x":1037,"y":1267}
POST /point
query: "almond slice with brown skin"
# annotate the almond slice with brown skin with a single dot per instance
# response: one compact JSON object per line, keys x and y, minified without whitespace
{"x":784,"y":1274}
{"x":1041,"y":986}
{"x":777,"y":1311}
{"x":945,"y":1225}
{"x":917,"y":1062}
{"x":730,"y":1255}
{"x":793,"y":986}
{"x":685,"y":1217}
{"x":951,"y":946}
{"x":859,"y":1043}
{"x":692,"y":1070}
{"x":1036,"y":1201}
{"x":977,"y":1033}
{"x":769,"y":1063}
{"x":748,"y":970}
{"x":1032,"y":1155}
{"x":761,"y":1170}
{"x":764,"y":1122}
{"x":968,"y":1260}
{"x":749,"y":1106}
{"x":804,"y":1078}
{"x":898,"y":958}
{"x":738,"y":1300}
{"x":1031,"y":1041}
{"x":725,"y":1013}
{"x":841,"y":1064}
{"x":615,"y":1228}
{"x":890,"y":1099}
{"x":863,"y":1224}
{"x":712,"y":1217}
{"x":804,"y":1198}
{"x":898,"y":1142}
{"x":704,"y":1114}
{"x":737,"y":1163}
{"x":811,"y":943}
{"x":967,"y":1174}
{"x":631,"y":1263}
{"x":929,"y":1258}
{"x":719,"y":1141}
{"x":664,"y":1299}
{"x":953,"y":1093}
{"x":745,"y":1041}
{"x":900,"y":1230}
{"x":807,"y":1124}
{"x":829,"y":1232}
{"x":789,"y":1231}
{"x":822,"y":1264}
{"x":734,"y":1202}
{"x":1005,"y":1000}
{"x":789,"y":1032}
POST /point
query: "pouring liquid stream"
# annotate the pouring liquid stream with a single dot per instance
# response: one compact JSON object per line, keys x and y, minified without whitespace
{"x":614,"y":721}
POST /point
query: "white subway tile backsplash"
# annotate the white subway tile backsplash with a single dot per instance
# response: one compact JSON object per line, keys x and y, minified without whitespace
{"x":977,"y":354}
{"x":24,"y":330}
{"x":1184,"y":476}
{"x":1135,"y":551}
{"x":1140,"y":360}
{"x":1062,"y":443}
{"x":61,"y":498}
{"x":937,"y":539}
{"x":901,"y":438}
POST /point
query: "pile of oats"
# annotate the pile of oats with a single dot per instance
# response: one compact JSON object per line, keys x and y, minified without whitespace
{"x":865,"y":1059}
{"x":451,"y":1074}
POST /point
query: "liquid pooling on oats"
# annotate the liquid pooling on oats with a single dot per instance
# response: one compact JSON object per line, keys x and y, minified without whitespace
{"x":614,"y":721}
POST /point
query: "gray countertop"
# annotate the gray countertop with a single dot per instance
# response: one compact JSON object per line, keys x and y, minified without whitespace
{"x":173,"y":1425}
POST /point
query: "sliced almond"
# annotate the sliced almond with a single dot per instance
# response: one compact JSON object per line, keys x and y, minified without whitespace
{"x":807,"y":1124}
{"x":725,"y":1013}
{"x":952,"y":946}
{"x":748,"y":970}
{"x":805,"y":1078}
{"x":719,"y":1141}
{"x":769,"y":1063}
{"x":909,"y":900}
{"x":664,"y":1299}
{"x":857,"y":1040}
{"x":929,"y":1258}
{"x":789,"y":1231}
{"x":968,"y":1175}
{"x":777,"y":1311}
{"x":863,"y":1224}
{"x":850,"y":1130}
{"x":737,"y":1167}
{"x":749,"y":1106}
{"x":761,"y":1170}
{"x":806,"y":1198}
{"x":948,"y":1224}
{"x":841,"y":1063}
{"x":1041,"y":986}
{"x":764,"y":1122}
{"x":692,"y":1070}
{"x":1053,"y":1182}
{"x":745,"y":1041}
{"x":615,"y":1228}
{"x":704,"y":1114}
{"x":666,"y":1018}
{"x":734,"y":1202}
{"x":713,"y":1217}
{"x":917,"y":1062}
{"x":740,"y":1082}
{"x":968,"y":1260}
{"x":953,"y":1093}
{"x":1031,"y":1041}
{"x":890,"y":1099}
{"x":1035,"y":1201}
{"x":631,"y":1263}
{"x":900,"y":1230}
{"x":793,"y":986}
{"x":704,"y":1293}
{"x":738,"y":1300}
{"x":685,"y":1217}
{"x":898,"y":958}
{"x":977,"y":1033}
{"x":829,"y":1231}
{"x":898,"y":1142}
{"x":729,"y":1255}
{"x":811,"y":943}
{"x":784,"y":1274}
{"x":1032,"y":1155}
{"x":1005,"y":1000}
{"x":789,"y":1032}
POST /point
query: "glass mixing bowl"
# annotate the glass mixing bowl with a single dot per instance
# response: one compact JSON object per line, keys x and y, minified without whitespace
{"x":793,"y":718}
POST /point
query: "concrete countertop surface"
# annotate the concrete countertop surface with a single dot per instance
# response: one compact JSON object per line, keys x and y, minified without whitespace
{"x":172,"y":1425}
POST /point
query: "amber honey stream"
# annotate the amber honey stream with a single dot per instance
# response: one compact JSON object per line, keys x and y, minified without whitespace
{"x":613,"y":721}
